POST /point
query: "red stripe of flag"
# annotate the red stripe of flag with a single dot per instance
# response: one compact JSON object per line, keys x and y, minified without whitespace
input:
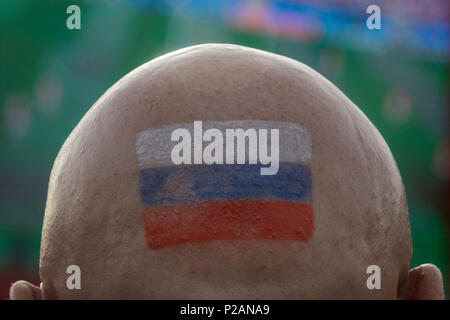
{"x":227,"y":220}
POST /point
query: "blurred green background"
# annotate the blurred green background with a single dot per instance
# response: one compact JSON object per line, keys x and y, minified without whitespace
{"x":50,"y":76}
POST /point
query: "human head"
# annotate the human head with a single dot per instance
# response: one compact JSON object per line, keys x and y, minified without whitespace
{"x":93,"y":213}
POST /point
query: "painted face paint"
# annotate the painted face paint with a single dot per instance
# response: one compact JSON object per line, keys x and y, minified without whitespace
{"x":205,"y":181}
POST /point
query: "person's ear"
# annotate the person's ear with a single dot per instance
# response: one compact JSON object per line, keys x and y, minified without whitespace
{"x":23,"y":290}
{"x":423,"y":283}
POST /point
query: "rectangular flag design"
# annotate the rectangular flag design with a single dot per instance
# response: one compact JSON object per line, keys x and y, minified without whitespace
{"x":201,"y":202}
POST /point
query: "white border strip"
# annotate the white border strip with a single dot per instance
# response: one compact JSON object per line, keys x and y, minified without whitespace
{"x":154,"y":146}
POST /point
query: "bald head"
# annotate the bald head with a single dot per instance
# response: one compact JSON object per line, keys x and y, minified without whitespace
{"x":97,"y":208}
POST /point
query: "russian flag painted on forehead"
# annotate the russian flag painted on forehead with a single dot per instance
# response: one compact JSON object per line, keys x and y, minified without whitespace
{"x":189,"y":203}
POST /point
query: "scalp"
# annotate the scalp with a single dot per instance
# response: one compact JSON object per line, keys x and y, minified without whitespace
{"x":93,"y":219}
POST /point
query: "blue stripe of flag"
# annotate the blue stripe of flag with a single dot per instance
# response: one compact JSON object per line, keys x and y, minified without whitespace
{"x":189,"y":183}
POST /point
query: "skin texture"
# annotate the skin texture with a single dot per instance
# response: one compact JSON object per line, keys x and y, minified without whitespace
{"x":93,"y":213}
